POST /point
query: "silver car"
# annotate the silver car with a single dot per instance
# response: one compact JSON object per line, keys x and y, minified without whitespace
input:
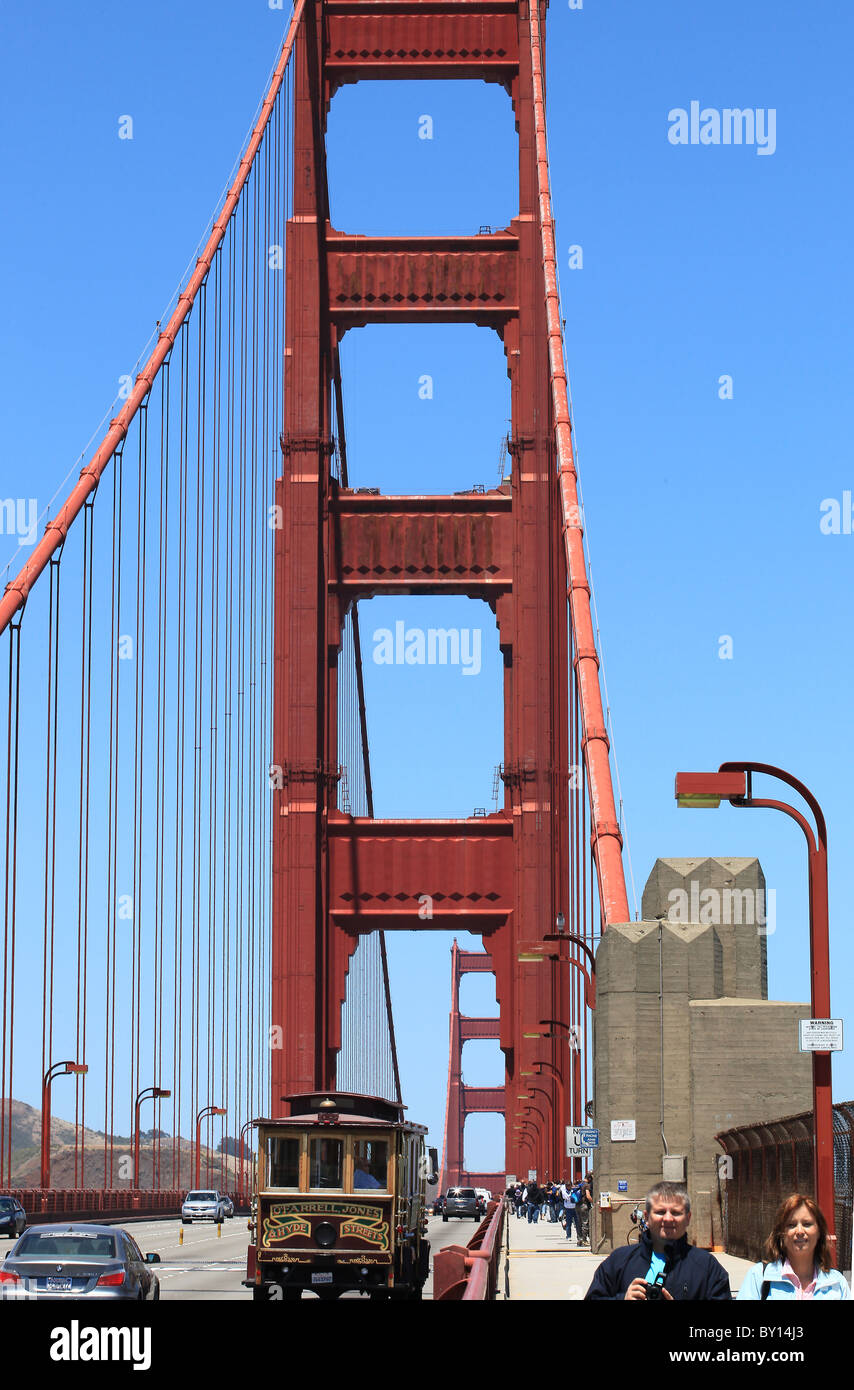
{"x":462,"y":1201}
{"x":203,"y":1206}
{"x":78,"y":1261}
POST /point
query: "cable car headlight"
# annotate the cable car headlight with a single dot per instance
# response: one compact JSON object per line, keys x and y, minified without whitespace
{"x":325,"y":1235}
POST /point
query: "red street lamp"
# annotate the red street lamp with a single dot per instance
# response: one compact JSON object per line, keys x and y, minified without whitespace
{"x":208,"y":1110}
{"x":58,"y":1069}
{"x":528,"y":1133}
{"x":532,"y":952}
{"x":572,"y":1038}
{"x":532,"y":1089}
{"x":552,"y":1067}
{"x":155,"y":1093}
{"x":733,"y":782}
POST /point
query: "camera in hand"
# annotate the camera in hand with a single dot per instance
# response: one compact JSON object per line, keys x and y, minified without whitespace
{"x":655,"y":1292}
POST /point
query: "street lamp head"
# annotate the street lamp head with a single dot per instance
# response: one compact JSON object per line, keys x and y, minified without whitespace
{"x":708,"y":789}
{"x":78,"y":1068}
{"x":218,"y":1110}
{"x":160,"y":1094}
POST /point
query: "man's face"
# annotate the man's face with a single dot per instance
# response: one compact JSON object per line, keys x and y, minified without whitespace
{"x":668,"y":1219}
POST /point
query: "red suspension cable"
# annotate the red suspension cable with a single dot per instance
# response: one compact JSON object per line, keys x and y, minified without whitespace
{"x":16,"y":592}
{"x":607,"y":841}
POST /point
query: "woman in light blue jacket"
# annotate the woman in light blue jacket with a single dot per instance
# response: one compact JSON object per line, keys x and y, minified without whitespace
{"x":797,"y":1263}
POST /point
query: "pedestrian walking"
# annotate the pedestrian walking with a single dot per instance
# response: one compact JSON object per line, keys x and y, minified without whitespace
{"x":583,"y":1206}
{"x":570,"y":1195}
{"x":535,"y":1198}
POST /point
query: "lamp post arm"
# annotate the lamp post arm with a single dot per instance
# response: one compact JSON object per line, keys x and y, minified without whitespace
{"x":792,"y":812}
{"x":790,"y":781}
{"x":823,"y":1157}
{"x":551,"y":1065}
{"x":584,"y":945}
{"x":541,"y":1091}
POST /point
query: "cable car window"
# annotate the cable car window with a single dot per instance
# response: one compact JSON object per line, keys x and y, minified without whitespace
{"x":282,"y":1161}
{"x":370,"y":1163}
{"x":326,"y":1163}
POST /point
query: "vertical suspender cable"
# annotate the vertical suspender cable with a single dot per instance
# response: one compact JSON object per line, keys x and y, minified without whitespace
{"x":138,"y":758}
{"x":10,"y":902}
{"x":180,"y":641}
{"x":112,"y":818}
{"x":216,"y":612}
{"x":83,"y":837}
{"x":50,"y":814}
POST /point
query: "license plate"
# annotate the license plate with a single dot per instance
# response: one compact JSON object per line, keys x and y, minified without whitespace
{"x":323,"y":1277}
{"x":54,"y":1283}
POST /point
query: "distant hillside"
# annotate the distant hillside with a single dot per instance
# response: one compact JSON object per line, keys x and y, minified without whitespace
{"x":26,"y":1157}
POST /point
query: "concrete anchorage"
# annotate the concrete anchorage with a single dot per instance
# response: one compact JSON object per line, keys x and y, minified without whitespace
{"x":686,"y":1040}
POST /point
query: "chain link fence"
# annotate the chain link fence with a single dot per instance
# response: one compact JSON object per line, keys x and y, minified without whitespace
{"x":765,"y":1163}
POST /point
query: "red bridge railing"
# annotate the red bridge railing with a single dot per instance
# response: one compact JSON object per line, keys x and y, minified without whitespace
{"x":470,"y":1273}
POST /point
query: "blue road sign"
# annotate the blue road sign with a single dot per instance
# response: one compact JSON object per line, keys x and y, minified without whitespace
{"x":589,"y":1138}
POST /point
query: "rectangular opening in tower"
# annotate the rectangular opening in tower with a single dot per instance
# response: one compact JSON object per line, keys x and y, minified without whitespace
{"x":422,"y":158}
{"x":427,"y":407}
{"x":433,"y":676}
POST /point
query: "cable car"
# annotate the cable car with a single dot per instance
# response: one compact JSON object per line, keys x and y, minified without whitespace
{"x":339,"y":1200}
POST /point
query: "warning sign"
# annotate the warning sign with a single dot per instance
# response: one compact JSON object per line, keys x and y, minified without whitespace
{"x":820,"y":1035}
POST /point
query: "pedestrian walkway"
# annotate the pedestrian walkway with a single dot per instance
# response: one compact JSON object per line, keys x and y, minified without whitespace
{"x":542,"y":1264}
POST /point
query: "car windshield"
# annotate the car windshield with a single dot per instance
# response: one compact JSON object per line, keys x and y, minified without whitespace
{"x":7,"y":1204}
{"x":201,"y":1196}
{"x":462,"y":1192}
{"x":73,"y":1245}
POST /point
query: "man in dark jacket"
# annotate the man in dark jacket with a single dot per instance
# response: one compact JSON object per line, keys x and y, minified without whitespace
{"x":662,"y":1258}
{"x":534,"y":1199}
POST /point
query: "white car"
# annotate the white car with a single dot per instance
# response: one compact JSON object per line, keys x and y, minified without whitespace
{"x":204,"y":1206}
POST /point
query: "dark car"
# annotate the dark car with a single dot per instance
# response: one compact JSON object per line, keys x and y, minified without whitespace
{"x":13,"y":1218}
{"x":78,"y":1261}
{"x":462,"y":1201}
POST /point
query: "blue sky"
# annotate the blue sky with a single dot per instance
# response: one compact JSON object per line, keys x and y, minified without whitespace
{"x":699,"y":262}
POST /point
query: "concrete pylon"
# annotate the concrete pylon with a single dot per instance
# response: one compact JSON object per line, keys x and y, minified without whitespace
{"x":686,"y":1041}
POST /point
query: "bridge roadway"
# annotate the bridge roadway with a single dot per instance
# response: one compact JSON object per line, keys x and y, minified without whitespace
{"x":538,"y":1262}
{"x":211,"y":1267}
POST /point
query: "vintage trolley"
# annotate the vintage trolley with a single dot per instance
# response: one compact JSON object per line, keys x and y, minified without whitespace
{"x":339,"y":1200}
